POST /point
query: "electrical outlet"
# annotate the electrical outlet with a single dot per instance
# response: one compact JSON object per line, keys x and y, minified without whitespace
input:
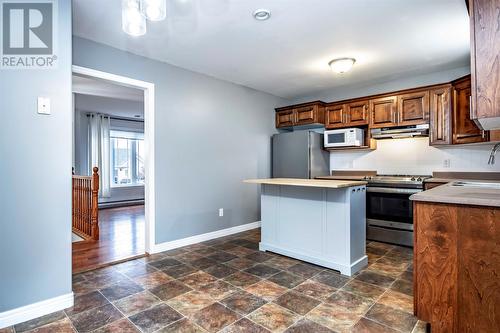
{"x":447,"y":163}
{"x":221,"y":212}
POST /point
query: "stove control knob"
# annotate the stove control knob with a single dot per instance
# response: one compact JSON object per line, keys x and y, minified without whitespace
{"x":412,"y":179}
{"x":419,"y":179}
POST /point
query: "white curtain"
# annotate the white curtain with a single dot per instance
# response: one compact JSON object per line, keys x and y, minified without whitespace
{"x":99,"y":150}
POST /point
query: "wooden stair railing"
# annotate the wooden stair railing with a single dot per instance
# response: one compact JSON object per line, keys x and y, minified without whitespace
{"x":85,"y":219}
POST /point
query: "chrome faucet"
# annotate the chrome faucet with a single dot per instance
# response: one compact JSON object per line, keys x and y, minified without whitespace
{"x":491,"y":161}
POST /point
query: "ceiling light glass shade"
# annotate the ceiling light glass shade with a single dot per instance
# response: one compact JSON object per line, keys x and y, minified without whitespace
{"x":154,"y":10}
{"x":133,"y":22}
{"x":342,"y":65}
{"x":262,"y":14}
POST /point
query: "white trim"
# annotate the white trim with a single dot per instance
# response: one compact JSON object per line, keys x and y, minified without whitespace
{"x":35,"y":310}
{"x":349,"y":269}
{"x":204,"y":237}
{"x":149,"y":135}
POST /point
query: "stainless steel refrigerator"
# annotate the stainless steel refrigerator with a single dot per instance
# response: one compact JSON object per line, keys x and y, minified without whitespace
{"x":299,"y":154}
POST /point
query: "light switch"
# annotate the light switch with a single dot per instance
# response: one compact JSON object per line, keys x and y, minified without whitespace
{"x":43,"y":105}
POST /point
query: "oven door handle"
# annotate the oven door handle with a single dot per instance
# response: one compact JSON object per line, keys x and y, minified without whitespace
{"x":393,"y":190}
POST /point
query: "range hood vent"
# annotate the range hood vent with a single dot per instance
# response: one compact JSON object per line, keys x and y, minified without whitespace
{"x":400,"y":132}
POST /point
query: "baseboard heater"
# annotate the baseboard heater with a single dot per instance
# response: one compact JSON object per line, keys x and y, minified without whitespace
{"x":122,"y":203}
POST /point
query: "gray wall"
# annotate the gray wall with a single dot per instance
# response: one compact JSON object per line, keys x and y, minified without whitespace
{"x":81,"y":146}
{"x":210,"y":135}
{"x":383,"y":86}
{"x":35,"y":203}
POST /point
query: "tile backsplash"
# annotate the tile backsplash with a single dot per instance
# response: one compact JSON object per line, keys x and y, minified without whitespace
{"x":415,"y":156}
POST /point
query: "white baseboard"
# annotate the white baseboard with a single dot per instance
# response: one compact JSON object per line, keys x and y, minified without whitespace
{"x":35,"y":310}
{"x":203,"y":237}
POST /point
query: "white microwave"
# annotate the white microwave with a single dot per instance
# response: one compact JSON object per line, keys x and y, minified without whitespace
{"x":345,"y":137}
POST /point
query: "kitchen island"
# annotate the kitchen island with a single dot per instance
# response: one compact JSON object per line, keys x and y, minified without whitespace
{"x":322,"y":222}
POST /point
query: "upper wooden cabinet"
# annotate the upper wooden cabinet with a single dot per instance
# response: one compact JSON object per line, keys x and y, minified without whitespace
{"x":357,"y":113}
{"x":413,"y":108}
{"x":464,"y":129}
{"x":440,"y":116}
{"x":410,"y":108}
{"x":285,"y":118}
{"x":302,"y":114}
{"x":450,"y":119}
{"x":306,"y":115}
{"x":335,"y":116}
{"x":384,"y":112}
{"x":346,"y":115}
{"x":485,"y":62}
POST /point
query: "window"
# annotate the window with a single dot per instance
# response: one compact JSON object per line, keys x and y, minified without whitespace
{"x":127,"y":158}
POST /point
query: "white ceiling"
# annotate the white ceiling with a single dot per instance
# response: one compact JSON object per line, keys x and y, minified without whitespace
{"x":99,"y":96}
{"x":288,"y":55}
{"x":89,"y":86}
{"x":110,"y":106}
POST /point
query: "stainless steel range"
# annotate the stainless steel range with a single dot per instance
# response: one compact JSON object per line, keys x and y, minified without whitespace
{"x":389,"y":210}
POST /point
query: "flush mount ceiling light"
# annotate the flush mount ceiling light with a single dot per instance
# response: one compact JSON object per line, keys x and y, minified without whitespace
{"x":341,"y":65}
{"x":136,"y":12}
{"x":262,"y":14}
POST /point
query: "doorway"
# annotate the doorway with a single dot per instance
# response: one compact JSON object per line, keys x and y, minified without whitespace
{"x":123,"y":109}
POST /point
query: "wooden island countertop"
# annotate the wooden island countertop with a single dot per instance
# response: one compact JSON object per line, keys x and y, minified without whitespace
{"x":307,"y":182}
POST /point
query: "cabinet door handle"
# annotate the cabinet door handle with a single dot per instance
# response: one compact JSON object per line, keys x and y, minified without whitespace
{"x":470,"y":107}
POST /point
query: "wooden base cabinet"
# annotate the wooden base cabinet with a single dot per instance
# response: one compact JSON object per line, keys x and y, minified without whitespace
{"x":457,"y":267}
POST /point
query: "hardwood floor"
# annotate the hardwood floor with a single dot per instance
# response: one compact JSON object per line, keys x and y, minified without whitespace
{"x":121,"y":237}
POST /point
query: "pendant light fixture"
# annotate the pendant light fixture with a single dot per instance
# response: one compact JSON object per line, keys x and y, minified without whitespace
{"x":154,"y":10}
{"x":133,"y":22}
{"x":135,"y":14}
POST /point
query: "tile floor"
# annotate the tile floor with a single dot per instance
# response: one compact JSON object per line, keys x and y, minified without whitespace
{"x":226,"y":285}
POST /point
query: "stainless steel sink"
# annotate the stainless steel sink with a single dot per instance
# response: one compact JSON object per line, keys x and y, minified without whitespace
{"x":477,"y":184}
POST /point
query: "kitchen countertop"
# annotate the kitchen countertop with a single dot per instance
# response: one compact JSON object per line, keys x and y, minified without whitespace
{"x":447,"y":177}
{"x":474,"y":196}
{"x":350,"y":178}
{"x":306,"y":182}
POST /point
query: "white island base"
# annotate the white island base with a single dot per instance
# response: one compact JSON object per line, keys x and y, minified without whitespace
{"x":322,"y":225}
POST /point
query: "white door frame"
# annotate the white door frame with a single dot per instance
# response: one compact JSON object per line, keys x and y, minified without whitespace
{"x":149,"y":142}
